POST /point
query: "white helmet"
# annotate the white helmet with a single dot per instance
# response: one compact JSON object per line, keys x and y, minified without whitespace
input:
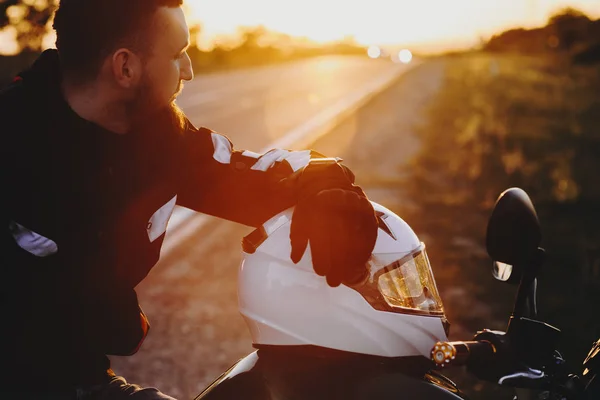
{"x":395,"y":312}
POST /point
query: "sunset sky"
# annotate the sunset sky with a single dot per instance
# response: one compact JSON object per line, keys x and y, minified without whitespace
{"x":452,"y":23}
{"x":381,"y":21}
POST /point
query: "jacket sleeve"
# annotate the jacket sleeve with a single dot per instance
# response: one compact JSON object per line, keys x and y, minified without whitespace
{"x":240,"y":186}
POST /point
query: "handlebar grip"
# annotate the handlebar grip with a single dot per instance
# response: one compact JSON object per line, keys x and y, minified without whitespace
{"x":446,"y":354}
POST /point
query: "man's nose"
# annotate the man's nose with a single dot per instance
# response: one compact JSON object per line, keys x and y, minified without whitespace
{"x":186,"y":72}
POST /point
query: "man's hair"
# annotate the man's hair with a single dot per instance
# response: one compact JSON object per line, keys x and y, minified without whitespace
{"x":87,"y":31}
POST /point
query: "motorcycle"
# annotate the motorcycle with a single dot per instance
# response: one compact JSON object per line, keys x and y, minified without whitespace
{"x":524,"y":357}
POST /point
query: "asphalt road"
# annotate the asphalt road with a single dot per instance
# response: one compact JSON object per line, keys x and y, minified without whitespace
{"x":254,"y":107}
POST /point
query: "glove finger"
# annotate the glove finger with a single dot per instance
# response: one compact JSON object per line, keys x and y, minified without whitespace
{"x":333,"y":281}
{"x":348,"y":172}
{"x":361,"y":193}
{"x":336,"y":271}
{"x":356,"y":274}
{"x":320,"y":247}
{"x":361,"y":239}
{"x":345,"y":200}
{"x":349,"y":264}
{"x":333,"y":245}
{"x":353,"y":215}
{"x":341,"y":227}
{"x":348,"y":215}
{"x":369,"y":225}
{"x":298,"y":249}
{"x":299,"y":232}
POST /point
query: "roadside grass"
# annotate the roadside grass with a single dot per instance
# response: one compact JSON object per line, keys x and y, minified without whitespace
{"x":502,"y":121}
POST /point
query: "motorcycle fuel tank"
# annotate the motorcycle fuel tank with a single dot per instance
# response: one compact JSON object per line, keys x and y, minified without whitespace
{"x":298,"y":375}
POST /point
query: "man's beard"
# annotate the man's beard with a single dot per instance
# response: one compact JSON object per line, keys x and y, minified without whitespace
{"x":149,"y":114}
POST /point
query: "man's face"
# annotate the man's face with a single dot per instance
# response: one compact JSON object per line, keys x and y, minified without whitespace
{"x":166,"y":64}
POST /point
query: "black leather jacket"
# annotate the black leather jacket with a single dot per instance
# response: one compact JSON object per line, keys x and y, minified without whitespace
{"x":83,"y":215}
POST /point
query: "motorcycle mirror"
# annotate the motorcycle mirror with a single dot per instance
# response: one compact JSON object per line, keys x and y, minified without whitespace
{"x":513,"y":235}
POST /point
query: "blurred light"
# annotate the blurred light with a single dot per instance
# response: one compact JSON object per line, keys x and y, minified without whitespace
{"x":374,"y":52}
{"x":16,"y":13}
{"x":405,"y":56}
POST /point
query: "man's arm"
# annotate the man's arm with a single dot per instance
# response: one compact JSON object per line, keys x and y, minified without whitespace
{"x":331,"y":213}
{"x":240,"y":186}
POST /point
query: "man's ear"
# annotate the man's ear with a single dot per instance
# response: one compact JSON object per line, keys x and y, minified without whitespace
{"x":126,"y":68}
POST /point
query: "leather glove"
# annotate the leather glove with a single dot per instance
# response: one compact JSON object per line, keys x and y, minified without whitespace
{"x":338,"y":220}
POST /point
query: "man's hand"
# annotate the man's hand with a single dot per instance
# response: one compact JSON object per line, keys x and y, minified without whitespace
{"x":338,"y":220}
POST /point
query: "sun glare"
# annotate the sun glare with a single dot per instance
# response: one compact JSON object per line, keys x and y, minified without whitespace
{"x":405,"y":56}
{"x":374,"y":51}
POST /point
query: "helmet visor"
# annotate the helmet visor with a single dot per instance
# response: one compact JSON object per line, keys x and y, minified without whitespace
{"x":405,"y":285}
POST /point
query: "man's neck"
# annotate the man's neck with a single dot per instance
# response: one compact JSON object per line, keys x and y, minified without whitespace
{"x":92,"y":103}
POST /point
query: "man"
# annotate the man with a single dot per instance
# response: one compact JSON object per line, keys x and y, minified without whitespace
{"x":95,"y":156}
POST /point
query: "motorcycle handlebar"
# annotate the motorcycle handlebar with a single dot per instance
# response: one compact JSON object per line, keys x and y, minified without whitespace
{"x":446,"y":354}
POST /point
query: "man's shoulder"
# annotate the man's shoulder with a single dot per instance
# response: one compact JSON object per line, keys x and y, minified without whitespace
{"x":11,"y":94}
{"x":18,"y":105}
{"x":12,"y":110}
{"x":22,"y":105}
{"x":23,"y":118}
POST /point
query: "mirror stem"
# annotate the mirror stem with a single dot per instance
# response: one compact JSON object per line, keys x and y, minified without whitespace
{"x":523,"y":293}
{"x":526,"y":302}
